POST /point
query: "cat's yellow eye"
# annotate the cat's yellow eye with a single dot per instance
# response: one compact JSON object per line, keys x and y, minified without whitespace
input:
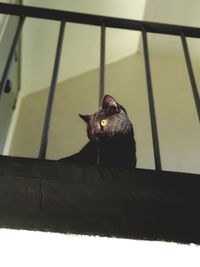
{"x":103,"y":122}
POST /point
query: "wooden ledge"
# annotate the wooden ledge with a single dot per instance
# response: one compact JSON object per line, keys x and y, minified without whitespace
{"x":139,"y":204}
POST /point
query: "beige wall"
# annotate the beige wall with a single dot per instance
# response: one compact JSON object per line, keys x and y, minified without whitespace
{"x":81,"y":44}
{"x":178,"y":124}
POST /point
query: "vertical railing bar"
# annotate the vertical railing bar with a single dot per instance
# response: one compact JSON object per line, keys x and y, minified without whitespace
{"x":11,"y":54}
{"x":191,"y":73}
{"x":45,"y":132}
{"x":102,"y":64}
{"x":154,"y":128}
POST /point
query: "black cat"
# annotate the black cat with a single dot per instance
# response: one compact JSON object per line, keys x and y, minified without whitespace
{"x":111,"y":137}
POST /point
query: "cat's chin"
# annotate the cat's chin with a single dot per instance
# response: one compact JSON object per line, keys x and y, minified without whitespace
{"x":102,"y":138}
{"x":94,"y":139}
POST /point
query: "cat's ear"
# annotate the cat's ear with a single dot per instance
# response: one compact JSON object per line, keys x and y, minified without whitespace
{"x":109,"y":103}
{"x":86,"y":118}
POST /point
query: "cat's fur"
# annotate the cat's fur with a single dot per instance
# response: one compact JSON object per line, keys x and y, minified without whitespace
{"x":112,"y":144}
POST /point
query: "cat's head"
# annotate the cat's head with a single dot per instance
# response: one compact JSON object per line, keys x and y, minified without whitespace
{"x":111,"y":120}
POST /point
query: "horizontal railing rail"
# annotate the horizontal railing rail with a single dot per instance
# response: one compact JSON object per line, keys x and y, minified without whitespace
{"x":103,"y":22}
{"x":96,"y":20}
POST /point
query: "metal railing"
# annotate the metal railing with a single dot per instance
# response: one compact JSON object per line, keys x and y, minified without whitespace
{"x":104,"y":22}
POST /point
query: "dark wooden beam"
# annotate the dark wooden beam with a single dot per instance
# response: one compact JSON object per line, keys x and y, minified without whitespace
{"x":44,"y":195}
